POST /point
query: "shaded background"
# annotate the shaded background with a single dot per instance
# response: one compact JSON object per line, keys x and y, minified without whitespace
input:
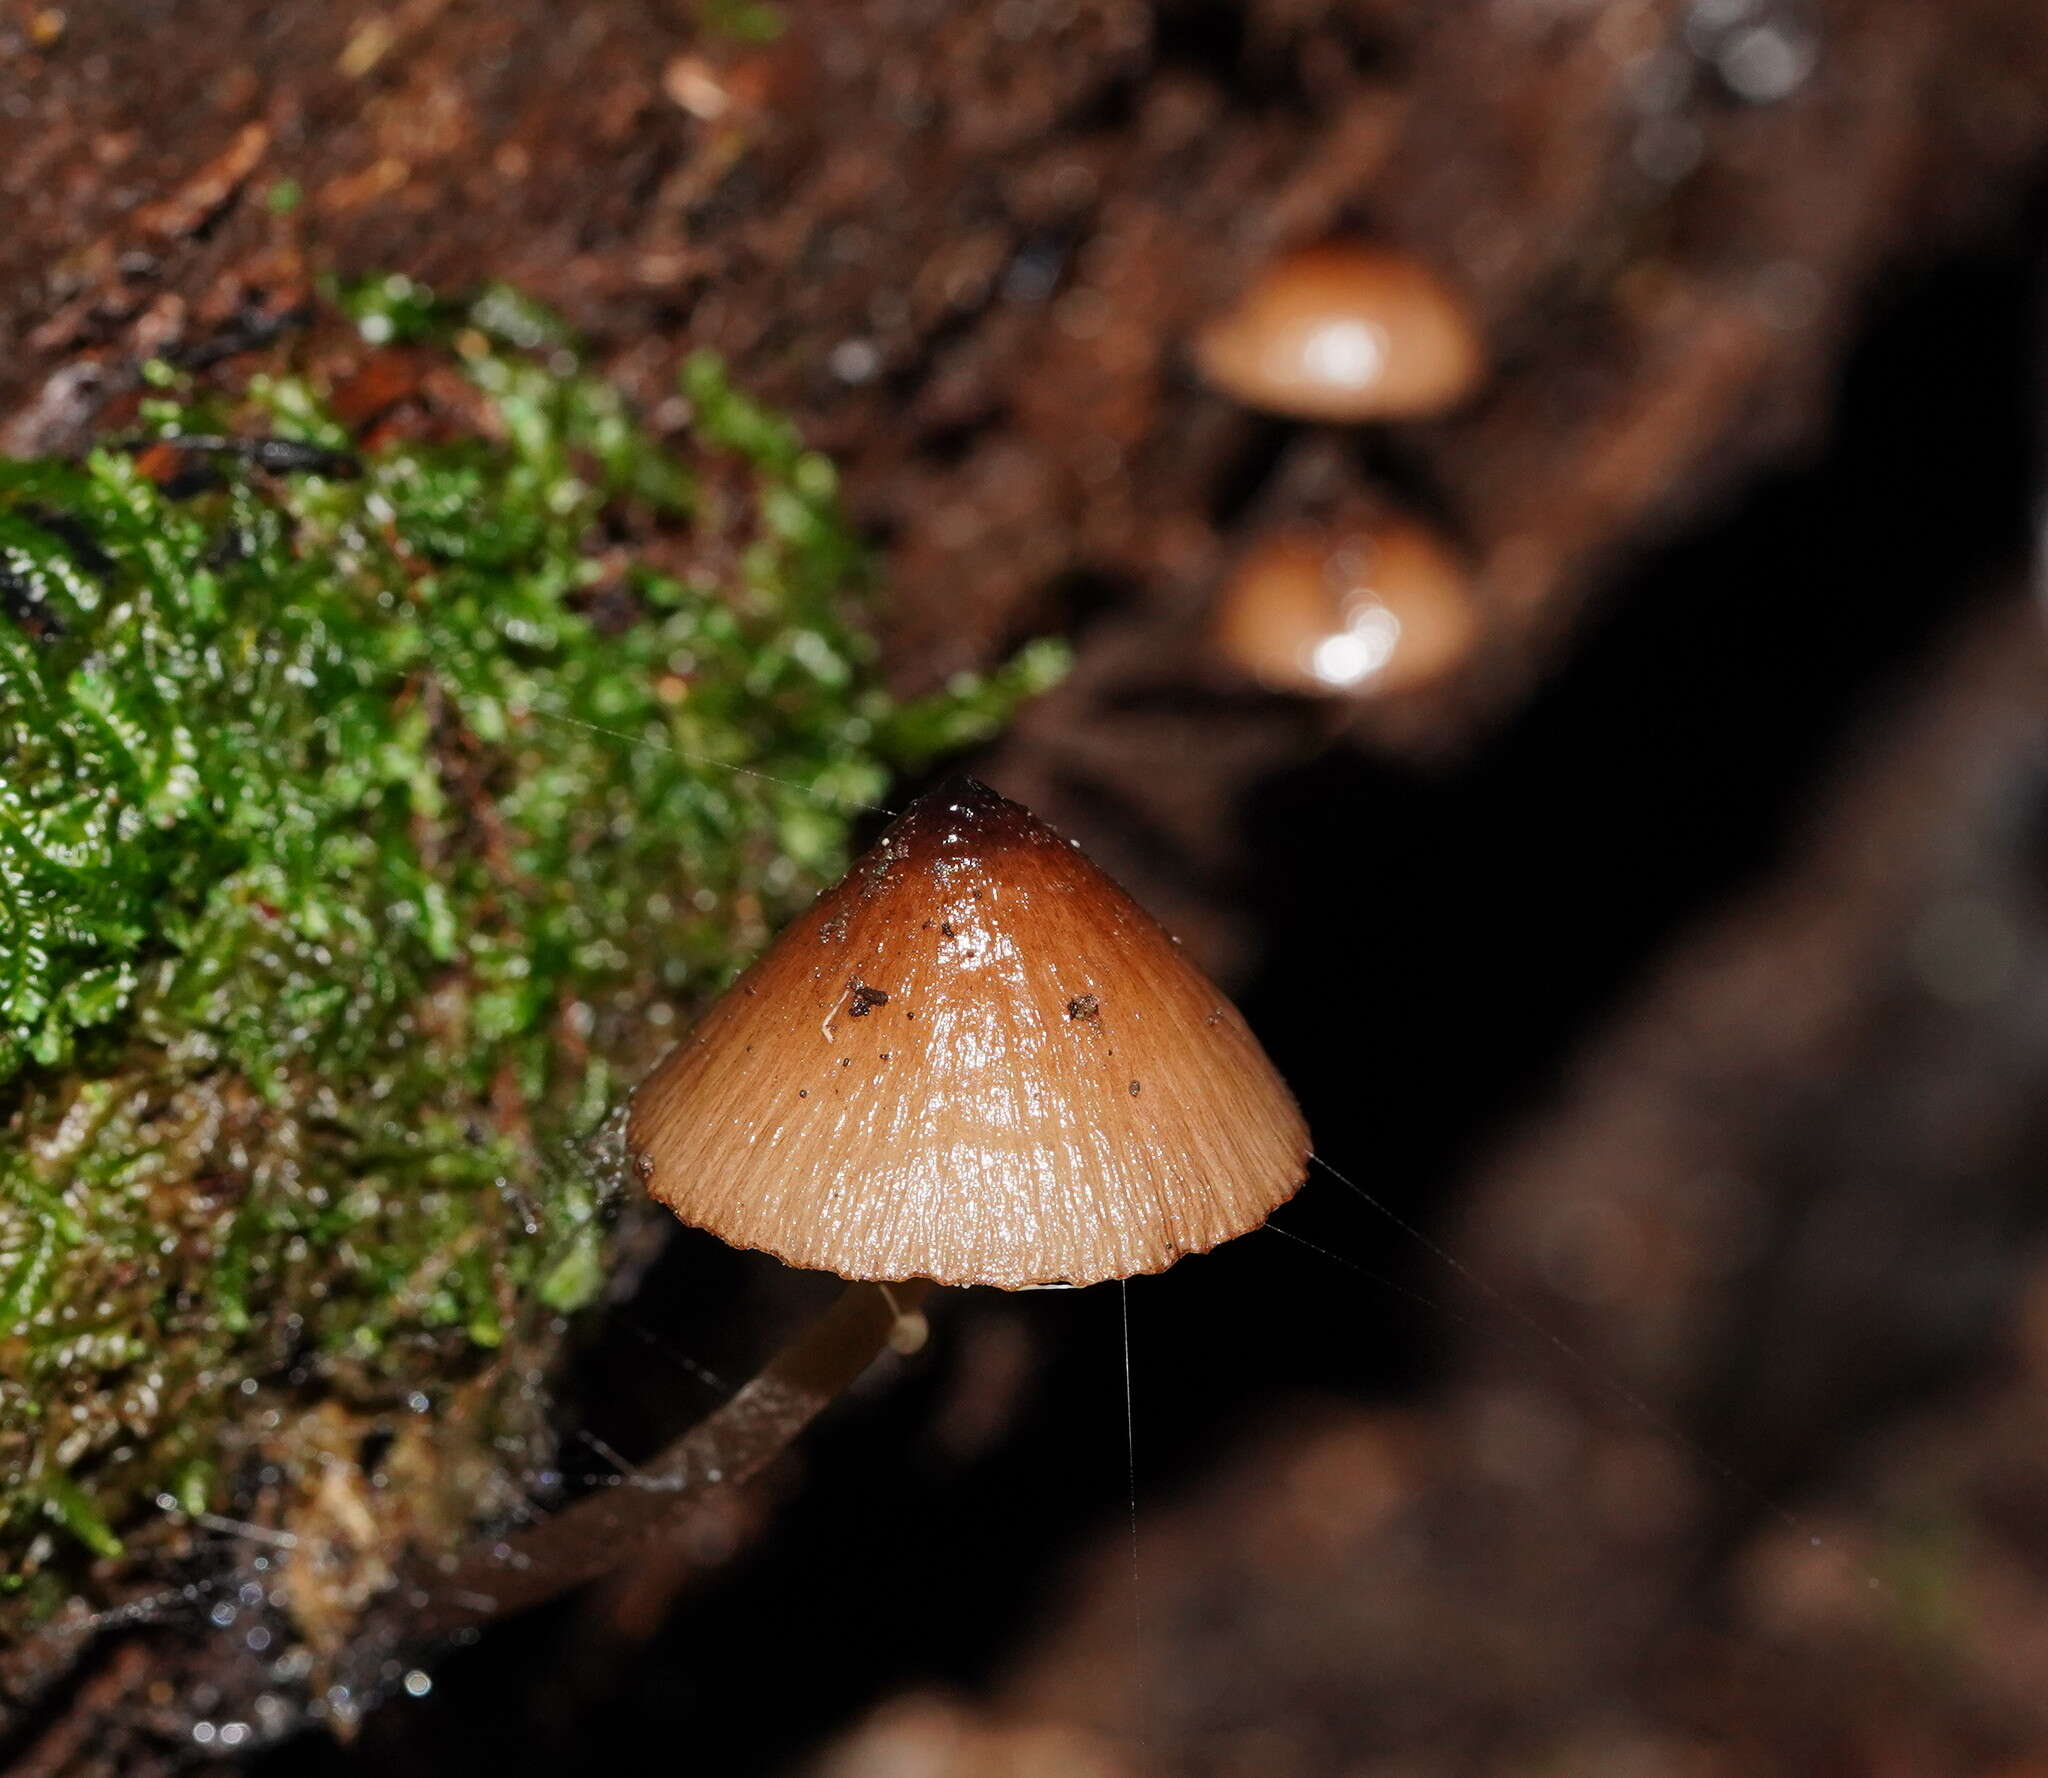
{"x":1678,"y":969}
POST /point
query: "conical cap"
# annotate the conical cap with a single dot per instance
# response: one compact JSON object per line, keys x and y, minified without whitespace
{"x":974,"y":1059}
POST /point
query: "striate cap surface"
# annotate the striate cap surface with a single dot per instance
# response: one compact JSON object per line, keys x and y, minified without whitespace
{"x":973,"y":1059}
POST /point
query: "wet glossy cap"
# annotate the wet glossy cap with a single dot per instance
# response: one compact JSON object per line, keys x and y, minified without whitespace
{"x":1368,"y":613}
{"x":974,"y":1059}
{"x":1347,"y":333}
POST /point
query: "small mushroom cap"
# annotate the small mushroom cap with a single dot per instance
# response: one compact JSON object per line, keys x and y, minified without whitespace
{"x":974,"y":1059}
{"x":1368,"y":613}
{"x":1345,"y":333}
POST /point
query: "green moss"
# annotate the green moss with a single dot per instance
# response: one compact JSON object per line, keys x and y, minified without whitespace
{"x":359,"y":827}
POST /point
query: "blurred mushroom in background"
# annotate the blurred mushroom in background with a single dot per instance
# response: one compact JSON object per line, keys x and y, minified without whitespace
{"x":1358,"y":613}
{"x":1348,"y":333}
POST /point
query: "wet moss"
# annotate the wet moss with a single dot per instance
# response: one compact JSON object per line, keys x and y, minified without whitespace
{"x":371,"y":808}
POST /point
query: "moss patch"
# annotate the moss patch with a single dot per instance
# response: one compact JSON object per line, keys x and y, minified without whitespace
{"x":375,"y":798}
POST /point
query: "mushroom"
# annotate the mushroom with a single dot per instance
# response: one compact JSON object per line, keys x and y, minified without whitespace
{"x":1378,"y":610}
{"x":974,"y":1060}
{"x":1345,"y":332}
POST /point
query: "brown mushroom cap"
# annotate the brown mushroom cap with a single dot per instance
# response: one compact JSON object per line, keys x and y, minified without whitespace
{"x":1347,"y":333}
{"x":974,"y":1059}
{"x":1370,"y":612}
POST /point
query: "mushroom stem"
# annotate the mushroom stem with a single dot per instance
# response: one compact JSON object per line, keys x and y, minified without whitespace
{"x":604,"y":1531}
